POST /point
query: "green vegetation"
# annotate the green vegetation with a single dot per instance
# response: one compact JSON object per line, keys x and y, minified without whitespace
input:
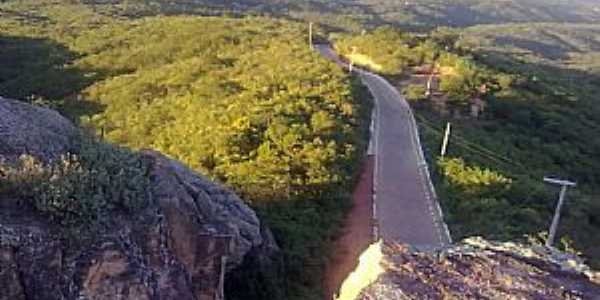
{"x":397,"y":54}
{"x":537,"y":123}
{"x":540,"y":119}
{"x":484,"y":196}
{"x":561,"y":57}
{"x":431,"y":13}
{"x":524,"y":205}
{"x":385,"y":50}
{"x":548,"y":42}
{"x":460,"y":78}
{"x":345,"y":14}
{"x":82,"y":188}
{"x":458,"y":174}
{"x":415,"y":92}
{"x":243,"y":100}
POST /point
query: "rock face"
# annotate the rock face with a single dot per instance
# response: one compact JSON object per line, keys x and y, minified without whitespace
{"x":478,"y":269}
{"x":26,"y":129}
{"x":180,"y":247}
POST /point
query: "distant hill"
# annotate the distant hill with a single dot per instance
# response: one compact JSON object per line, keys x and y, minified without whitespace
{"x":470,"y":12}
{"x":412,"y":13}
{"x":564,"y":54}
{"x":571,"y":45}
{"x":553,"y":41}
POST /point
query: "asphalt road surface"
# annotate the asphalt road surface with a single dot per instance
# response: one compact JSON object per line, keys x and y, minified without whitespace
{"x":406,"y":208}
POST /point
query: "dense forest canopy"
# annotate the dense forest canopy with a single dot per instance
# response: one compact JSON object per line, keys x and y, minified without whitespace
{"x":243,"y":100}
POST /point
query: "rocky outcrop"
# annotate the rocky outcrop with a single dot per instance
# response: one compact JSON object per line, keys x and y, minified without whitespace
{"x":179,"y":247}
{"x":479,"y":269}
{"x":37,"y":131}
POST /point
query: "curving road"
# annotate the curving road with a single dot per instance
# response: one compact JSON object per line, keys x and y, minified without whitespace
{"x":405,"y":205}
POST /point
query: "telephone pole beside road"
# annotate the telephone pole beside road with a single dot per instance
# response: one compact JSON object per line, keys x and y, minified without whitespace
{"x":310,"y":35}
{"x":564,"y":185}
{"x":446,"y":139}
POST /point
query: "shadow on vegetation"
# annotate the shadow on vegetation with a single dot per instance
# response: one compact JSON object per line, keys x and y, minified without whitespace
{"x":555,"y":106}
{"x":539,"y":48}
{"x":554,"y":76}
{"x":41,"y":71}
{"x":22,"y":16}
{"x":545,"y":126}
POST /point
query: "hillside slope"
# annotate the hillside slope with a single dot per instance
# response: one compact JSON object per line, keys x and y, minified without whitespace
{"x":243,"y":100}
{"x":416,"y":13}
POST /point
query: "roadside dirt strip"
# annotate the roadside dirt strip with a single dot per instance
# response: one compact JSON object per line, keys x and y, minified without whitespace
{"x":405,"y":209}
{"x":356,"y":233}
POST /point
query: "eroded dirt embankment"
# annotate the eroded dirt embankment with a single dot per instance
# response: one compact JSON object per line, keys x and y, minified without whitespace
{"x":356,"y":233}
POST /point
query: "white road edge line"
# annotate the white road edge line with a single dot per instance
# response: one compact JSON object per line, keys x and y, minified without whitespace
{"x":430,"y":193}
{"x":415,"y":139}
{"x":374,"y":145}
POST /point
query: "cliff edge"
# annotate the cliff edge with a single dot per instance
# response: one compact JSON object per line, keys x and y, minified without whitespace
{"x":182,"y":242}
{"x":471,"y":269}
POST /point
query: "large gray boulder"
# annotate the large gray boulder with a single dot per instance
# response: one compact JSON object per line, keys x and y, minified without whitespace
{"x":33,"y":130}
{"x":194,"y":234}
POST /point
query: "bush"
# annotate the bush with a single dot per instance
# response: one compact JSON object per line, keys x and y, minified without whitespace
{"x":472,"y":180}
{"x":415,"y":92}
{"x":80,"y":188}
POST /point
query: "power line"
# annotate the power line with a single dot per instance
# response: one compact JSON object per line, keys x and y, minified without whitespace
{"x":476,"y":149}
{"x":470,"y":144}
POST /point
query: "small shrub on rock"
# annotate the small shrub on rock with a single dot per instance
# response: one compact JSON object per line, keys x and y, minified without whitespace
{"x":82,"y":187}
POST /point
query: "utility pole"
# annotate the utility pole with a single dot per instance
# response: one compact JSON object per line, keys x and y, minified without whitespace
{"x":351,"y":64}
{"x":428,"y":92}
{"x":446,"y":139}
{"x":310,"y":35}
{"x":564,"y":184}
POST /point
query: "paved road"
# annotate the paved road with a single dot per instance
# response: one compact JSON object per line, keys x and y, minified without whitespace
{"x":406,"y":206}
